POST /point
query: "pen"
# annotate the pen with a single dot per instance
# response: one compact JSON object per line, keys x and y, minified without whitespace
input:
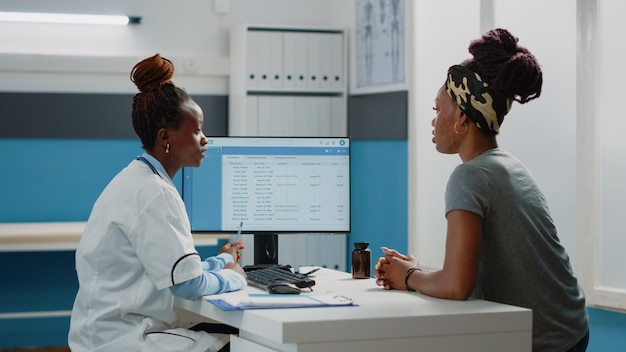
{"x":239,"y":232}
{"x":310,"y":272}
{"x":239,"y":242}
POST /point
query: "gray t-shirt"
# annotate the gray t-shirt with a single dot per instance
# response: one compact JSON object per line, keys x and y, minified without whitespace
{"x":522,"y":262}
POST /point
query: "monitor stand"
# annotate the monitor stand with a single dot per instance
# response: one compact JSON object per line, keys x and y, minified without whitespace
{"x":265,"y":248}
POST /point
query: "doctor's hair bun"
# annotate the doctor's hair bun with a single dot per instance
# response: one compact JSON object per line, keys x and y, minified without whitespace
{"x":152,"y":74}
{"x":505,"y":65}
{"x":159,"y":103}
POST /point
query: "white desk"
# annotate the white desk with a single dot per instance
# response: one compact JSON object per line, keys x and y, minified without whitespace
{"x":382,"y":321}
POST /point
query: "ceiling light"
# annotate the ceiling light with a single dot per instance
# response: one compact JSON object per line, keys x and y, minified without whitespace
{"x":33,"y":17}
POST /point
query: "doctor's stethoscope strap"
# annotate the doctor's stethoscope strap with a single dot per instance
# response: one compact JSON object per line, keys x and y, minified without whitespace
{"x":145,"y":161}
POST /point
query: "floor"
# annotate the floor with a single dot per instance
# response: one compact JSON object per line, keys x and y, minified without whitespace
{"x":41,"y":349}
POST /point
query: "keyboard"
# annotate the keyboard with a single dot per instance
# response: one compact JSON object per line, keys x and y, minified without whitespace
{"x":264,"y":276}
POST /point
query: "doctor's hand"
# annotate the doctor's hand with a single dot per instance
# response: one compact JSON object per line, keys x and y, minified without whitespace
{"x":236,"y":267}
{"x":232,"y":249}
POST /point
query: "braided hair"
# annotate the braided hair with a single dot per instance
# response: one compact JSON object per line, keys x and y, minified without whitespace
{"x":505,"y":65}
{"x":159,"y":102}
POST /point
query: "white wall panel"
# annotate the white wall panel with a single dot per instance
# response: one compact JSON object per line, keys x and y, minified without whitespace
{"x":552,"y":161}
{"x":441,"y":38}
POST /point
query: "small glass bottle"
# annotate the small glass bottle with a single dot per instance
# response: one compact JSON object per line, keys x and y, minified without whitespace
{"x":361,"y":261}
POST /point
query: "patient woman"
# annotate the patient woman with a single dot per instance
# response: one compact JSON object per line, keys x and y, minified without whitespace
{"x":501,"y":242}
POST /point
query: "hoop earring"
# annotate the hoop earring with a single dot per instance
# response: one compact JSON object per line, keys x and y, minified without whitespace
{"x":167,"y":148}
{"x":457,"y":132}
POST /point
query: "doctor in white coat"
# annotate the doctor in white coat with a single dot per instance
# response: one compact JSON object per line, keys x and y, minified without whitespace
{"x":137,"y":251}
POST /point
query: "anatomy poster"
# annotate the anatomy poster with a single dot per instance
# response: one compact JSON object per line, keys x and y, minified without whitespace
{"x":379,"y":43}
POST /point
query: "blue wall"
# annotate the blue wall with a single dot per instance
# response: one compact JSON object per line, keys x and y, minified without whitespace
{"x":59,"y":179}
{"x":379,"y":181}
{"x":48,"y":180}
{"x":36,"y":282}
{"x":56,"y":179}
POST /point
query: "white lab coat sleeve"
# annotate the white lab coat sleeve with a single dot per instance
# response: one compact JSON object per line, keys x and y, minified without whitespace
{"x":161,"y":238}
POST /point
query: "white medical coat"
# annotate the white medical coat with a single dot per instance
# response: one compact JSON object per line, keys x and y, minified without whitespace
{"x":137,"y":243}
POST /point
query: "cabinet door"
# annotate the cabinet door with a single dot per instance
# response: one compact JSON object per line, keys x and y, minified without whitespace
{"x":242,"y":345}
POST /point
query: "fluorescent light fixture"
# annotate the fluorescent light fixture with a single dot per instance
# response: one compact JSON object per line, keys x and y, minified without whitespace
{"x":34,"y":17}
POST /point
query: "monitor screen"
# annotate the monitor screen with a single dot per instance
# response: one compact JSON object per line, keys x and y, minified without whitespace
{"x":270,"y":184}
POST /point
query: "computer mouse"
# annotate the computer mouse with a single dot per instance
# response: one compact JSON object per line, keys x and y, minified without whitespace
{"x":283,"y":288}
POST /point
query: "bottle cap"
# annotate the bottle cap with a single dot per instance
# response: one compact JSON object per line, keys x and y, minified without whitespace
{"x":361,"y":245}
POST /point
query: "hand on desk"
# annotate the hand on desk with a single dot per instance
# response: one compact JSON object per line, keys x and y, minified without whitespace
{"x":391,"y":269}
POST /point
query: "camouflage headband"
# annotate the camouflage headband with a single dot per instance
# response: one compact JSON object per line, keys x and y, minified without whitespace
{"x":485,"y":106}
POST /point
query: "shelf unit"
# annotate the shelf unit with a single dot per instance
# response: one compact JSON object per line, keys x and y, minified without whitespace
{"x":291,"y":81}
{"x":59,"y":236}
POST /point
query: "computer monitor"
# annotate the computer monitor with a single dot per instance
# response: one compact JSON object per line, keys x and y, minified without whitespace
{"x":269,"y":186}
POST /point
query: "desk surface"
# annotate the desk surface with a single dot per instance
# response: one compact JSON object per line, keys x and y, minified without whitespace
{"x":380,"y":314}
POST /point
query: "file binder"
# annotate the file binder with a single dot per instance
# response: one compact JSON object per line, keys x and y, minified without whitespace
{"x":314,"y":60}
{"x":253,"y":54}
{"x":336,"y":54}
{"x":275,"y":67}
{"x":294,"y":60}
{"x":263,"y":57}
